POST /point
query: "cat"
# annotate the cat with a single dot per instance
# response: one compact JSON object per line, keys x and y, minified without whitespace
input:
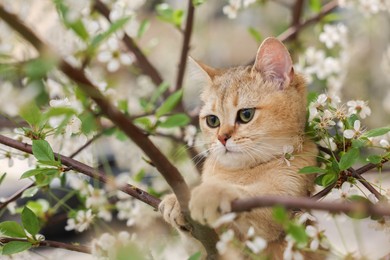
{"x":250,"y":115}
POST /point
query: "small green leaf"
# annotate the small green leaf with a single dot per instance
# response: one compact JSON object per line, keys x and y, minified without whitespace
{"x":298,"y":233}
{"x":175,"y":121}
{"x":198,"y":2}
{"x":12,"y":229}
{"x":358,"y":143}
{"x":30,"y":192}
{"x":167,"y":14}
{"x":331,"y":18}
{"x":115,"y":26}
{"x":39,"y":67}
{"x":377,"y":132}
{"x":30,"y":173}
{"x":326,"y":179}
{"x":375,"y":159}
{"x":31,"y":113}
{"x":169,"y":104}
{"x":2,"y":177}
{"x":196,"y":256}
{"x":30,"y":221}
{"x":42,"y":150}
{"x":79,"y":28}
{"x":14,"y":247}
{"x":348,"y":159}
{"x":139,"y":176}
{"x":159,"y":91}
{"x":315,"y":5}
{"x":88,"y":122}
{"x":50,"y":163}
{"x":144,"y":121}
{"x":280,"y":215}
{"x":255,"y":34}
{"x":143,"y":28}
{"x":312,"y":169}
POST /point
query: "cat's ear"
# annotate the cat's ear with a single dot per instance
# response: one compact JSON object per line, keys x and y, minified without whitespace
{"x":198,"y":77}
{"x":200,"y":72}
{"x":274,"y":62}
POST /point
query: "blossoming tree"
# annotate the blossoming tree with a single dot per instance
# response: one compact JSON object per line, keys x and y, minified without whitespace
{"x":79,"y":84}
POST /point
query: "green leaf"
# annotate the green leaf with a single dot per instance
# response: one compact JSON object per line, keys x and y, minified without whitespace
{"x":312,"y":169}
{"x":144,"y":121}
{"x":79,"y":28}
{"x":375,"y":159}
{"x":159,"y":91}
{"x":60,"y":111}
{"x":30,"y":221}
{"x":326,"y":179}
{"x":14,"y":247}
{"x":358,"y":143}
{"x":315,"y":5}
{"x":143,"y":28}
{"x":30,"y":192}
{"x":255,"y":34}
{"x":42,"y":150}
{"x":30,"y":173}
{"x":115,"y":26}
{"x":2,"y":177}
{"x":169,"y":104}
{"x":359,"y":214}
{"x":31,"y":113}
{"x":88,"y":122}
{"x":50,"y":163}
{"x":167,"y":14}
{"x":39,"y":67}
{"x":377,"y":132}
{"x":348,"y":159}
{"x":139,"y":176}
{"x":298,"y":233}
{"x":331,"y":18}
{"x":196,"y":256}
{"x":198,"y":2}
{"x":280,"y":215}
{"x":175,"y":121}
{"x":12,"y":229}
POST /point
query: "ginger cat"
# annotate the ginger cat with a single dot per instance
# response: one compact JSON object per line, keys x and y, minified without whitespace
{"x":250,"y":115}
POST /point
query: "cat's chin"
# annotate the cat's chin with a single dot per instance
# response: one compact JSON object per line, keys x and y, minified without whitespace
{"x":234,"y":160}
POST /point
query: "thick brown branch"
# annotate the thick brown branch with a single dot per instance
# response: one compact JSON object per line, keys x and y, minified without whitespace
{"x":54,"y":244}
{"x":297,"y":12}
{"x":185,"y":45}
{"x":309,"y":203}
{"x":87,"y":170}
{"x":142,"y":60}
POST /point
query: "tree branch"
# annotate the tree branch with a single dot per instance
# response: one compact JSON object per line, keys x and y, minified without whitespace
{"x":15,"y":196}
{"x":309,"y":203}
{"x":142,"y":60}
{"x":87,"y":170}
{"x":291,"y":32}
{"x":49,"y":243}
{"x":297,"y":12}
{"x":186,"y":45}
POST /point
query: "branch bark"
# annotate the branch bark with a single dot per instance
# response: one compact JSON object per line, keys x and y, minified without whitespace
{"x":54,"y":244}
{"x":87,"y":170}
{"x":186,"y":45}
{"x":309,"y":203}
{"x":142,"y":60}
{"x":15,"y":196}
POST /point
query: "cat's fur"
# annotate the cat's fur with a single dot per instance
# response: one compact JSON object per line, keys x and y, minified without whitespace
{"x":251,"y":162}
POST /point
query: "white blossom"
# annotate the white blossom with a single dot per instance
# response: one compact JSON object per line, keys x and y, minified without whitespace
{"x":189,"y":135}
{"x":113,"y":56}
{"x":355,"y":132}
{"x":257,"y":244}
{"x":359,"y":108}
{"x":224,"y":240}
{"x":226,"y":218}
{"x":81,"y":221}
{"x":345,"y":191}
{"x":333,"y":34}
{"x":128,"y":210}
{"x":232,"y":9}
{"x":291,"y":253}
{"x":288,"y":154}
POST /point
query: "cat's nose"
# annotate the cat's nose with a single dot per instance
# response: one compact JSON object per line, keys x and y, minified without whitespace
{"x":223,"y":138}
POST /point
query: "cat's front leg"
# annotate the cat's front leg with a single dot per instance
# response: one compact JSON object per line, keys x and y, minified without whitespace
{"x":171,"y":211}
{"x":209,"y":201}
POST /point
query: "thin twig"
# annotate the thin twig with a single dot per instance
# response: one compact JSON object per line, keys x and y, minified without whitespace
{"x":88,"y":143}
{"x":142,"y":60}
{"x":53,"y":244}
{"x":87,"y":170}
{"x":323,"y":192}
{"x":15,"y":196}
{"x":366,"y":184}
{"x":185,"y":45}
{"x":309,"y":203}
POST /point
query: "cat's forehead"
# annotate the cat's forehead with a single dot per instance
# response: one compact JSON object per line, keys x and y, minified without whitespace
{"x":236,"y":88}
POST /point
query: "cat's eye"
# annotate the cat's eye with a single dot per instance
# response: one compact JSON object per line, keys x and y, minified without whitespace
{"x":245,"y":115}
{"x":212,"y":121}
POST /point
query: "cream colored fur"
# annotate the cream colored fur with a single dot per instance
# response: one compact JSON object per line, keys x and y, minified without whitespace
{"x":251,"y":162}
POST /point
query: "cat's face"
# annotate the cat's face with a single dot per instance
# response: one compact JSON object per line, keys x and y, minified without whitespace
{"x":249,"y":113}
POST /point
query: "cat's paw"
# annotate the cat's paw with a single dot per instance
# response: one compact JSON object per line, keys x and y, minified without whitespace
{"x":210,"y":201}
{"x":171,"y":211}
